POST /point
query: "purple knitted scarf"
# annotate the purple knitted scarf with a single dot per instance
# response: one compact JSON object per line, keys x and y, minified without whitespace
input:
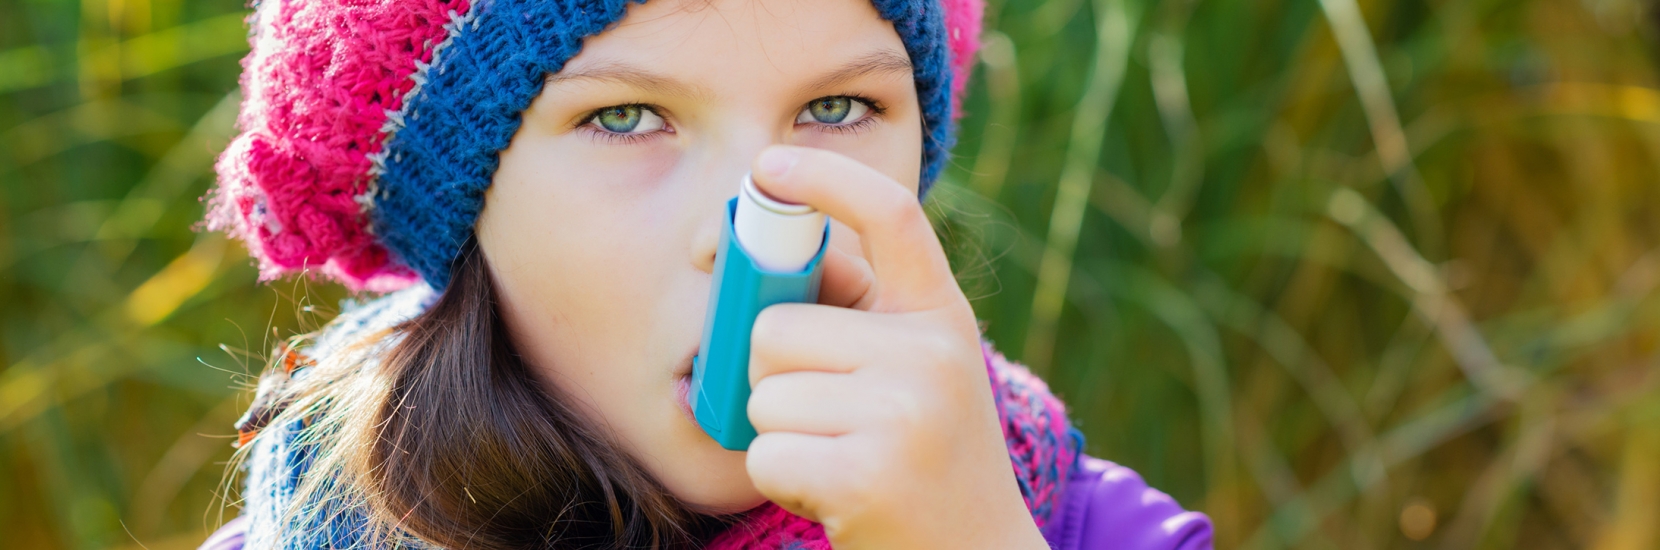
{"x":1041,"y":446}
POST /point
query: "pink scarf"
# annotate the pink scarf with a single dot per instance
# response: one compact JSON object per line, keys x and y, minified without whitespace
{"x":1041,"y":447}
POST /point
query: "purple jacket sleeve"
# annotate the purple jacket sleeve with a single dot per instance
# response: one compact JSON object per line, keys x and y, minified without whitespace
{"x":1106,"y":505}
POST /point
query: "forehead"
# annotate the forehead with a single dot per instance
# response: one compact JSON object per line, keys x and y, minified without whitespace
{"x":741,"y":42}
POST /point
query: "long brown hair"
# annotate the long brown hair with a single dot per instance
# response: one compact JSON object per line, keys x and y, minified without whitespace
{"x":438,"y":430}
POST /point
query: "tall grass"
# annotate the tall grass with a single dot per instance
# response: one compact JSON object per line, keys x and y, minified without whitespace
{"x":1341,"y":274}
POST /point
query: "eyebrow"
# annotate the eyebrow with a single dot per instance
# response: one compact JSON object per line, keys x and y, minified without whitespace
{"x":633,"y":77}
{"x":885,"y":61}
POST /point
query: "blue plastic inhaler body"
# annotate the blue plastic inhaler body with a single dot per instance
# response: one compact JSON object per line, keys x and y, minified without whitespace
{"x":741,"y":289}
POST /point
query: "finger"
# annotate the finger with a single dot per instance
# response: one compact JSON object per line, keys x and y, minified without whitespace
{"x":847,"y":282}
{"x":813,"y":337}
{"x":910,"y":266}
{"x":818,"y":403}
{"x":794,"y":470}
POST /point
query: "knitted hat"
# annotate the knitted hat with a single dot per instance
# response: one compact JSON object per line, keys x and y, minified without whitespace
{"x":370,"y":128}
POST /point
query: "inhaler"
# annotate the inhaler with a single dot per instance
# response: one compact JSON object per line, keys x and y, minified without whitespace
{"x":770,"y":253}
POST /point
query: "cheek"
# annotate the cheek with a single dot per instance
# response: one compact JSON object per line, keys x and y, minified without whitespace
{"x":564,"y":242}
{"x":588,"y":249}
{"x":893,"y":147}
{"x":575,"y":173}
{"x":559,"y":203}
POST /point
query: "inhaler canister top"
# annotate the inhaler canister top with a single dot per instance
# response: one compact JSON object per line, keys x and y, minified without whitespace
{"x":781,"y":237}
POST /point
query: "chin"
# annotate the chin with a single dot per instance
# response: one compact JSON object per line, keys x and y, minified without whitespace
{"x":716,"y":483}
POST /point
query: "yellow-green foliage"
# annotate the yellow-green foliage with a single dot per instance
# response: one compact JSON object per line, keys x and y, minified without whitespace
{"x":1341,"y":274}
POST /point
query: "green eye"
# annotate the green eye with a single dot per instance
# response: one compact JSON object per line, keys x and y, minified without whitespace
{"x":833,"y":110}
{"x":621,"y":120}
{"x":627,"y":119}
{"x":830,"y":110}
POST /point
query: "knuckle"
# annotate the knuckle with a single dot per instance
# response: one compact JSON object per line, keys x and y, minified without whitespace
{"x":860,"y":482}
{"x":761,"y":404}
{"x":768,"y":337}
{"x":765,"y":461}
{"x":900,"y":409}
{"x":775,"y":322}
{"x":774,"y":465}
{"x":767,"y":457}
{"x":768,"y":327}
{"x":901,"y":209}
{"x":772,"y":402}
{"x":940,"y":353}
{"x":940,"y":345}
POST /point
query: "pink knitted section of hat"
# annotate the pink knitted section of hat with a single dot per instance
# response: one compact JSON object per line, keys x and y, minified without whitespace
{"x":318,"y":86}
{"x":962,"y":28}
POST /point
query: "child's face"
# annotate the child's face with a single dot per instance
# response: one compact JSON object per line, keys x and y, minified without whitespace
{"x":603,"y":219}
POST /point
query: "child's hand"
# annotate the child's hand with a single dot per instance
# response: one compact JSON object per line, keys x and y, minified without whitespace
{"x":878,"y":421}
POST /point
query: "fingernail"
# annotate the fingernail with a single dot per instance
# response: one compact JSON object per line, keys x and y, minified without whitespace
{"x":777,"y":161}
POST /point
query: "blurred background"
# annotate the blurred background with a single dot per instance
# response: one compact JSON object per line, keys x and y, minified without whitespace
{"x":1340,"y":273}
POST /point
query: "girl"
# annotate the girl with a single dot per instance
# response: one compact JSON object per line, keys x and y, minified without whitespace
{"x":537,"y":184}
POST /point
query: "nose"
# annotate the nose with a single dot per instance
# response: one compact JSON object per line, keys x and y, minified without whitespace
{"x":706,"y":241}
{"x":726,"y":164}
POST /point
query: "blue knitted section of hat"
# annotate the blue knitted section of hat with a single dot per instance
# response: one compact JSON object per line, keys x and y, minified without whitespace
{"x":921,"y":26}
{"x":440,"y":163}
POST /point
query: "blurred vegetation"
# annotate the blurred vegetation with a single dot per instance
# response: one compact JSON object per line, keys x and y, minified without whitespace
{"x":1341,"y":274}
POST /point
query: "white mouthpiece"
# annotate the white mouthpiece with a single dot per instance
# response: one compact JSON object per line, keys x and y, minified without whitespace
{"x":780,"y":236}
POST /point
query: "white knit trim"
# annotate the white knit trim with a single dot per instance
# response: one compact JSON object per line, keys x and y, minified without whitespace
{"x":396,"y":120}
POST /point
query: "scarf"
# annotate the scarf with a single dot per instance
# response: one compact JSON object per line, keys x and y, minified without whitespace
{"x":1042,"y":450}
